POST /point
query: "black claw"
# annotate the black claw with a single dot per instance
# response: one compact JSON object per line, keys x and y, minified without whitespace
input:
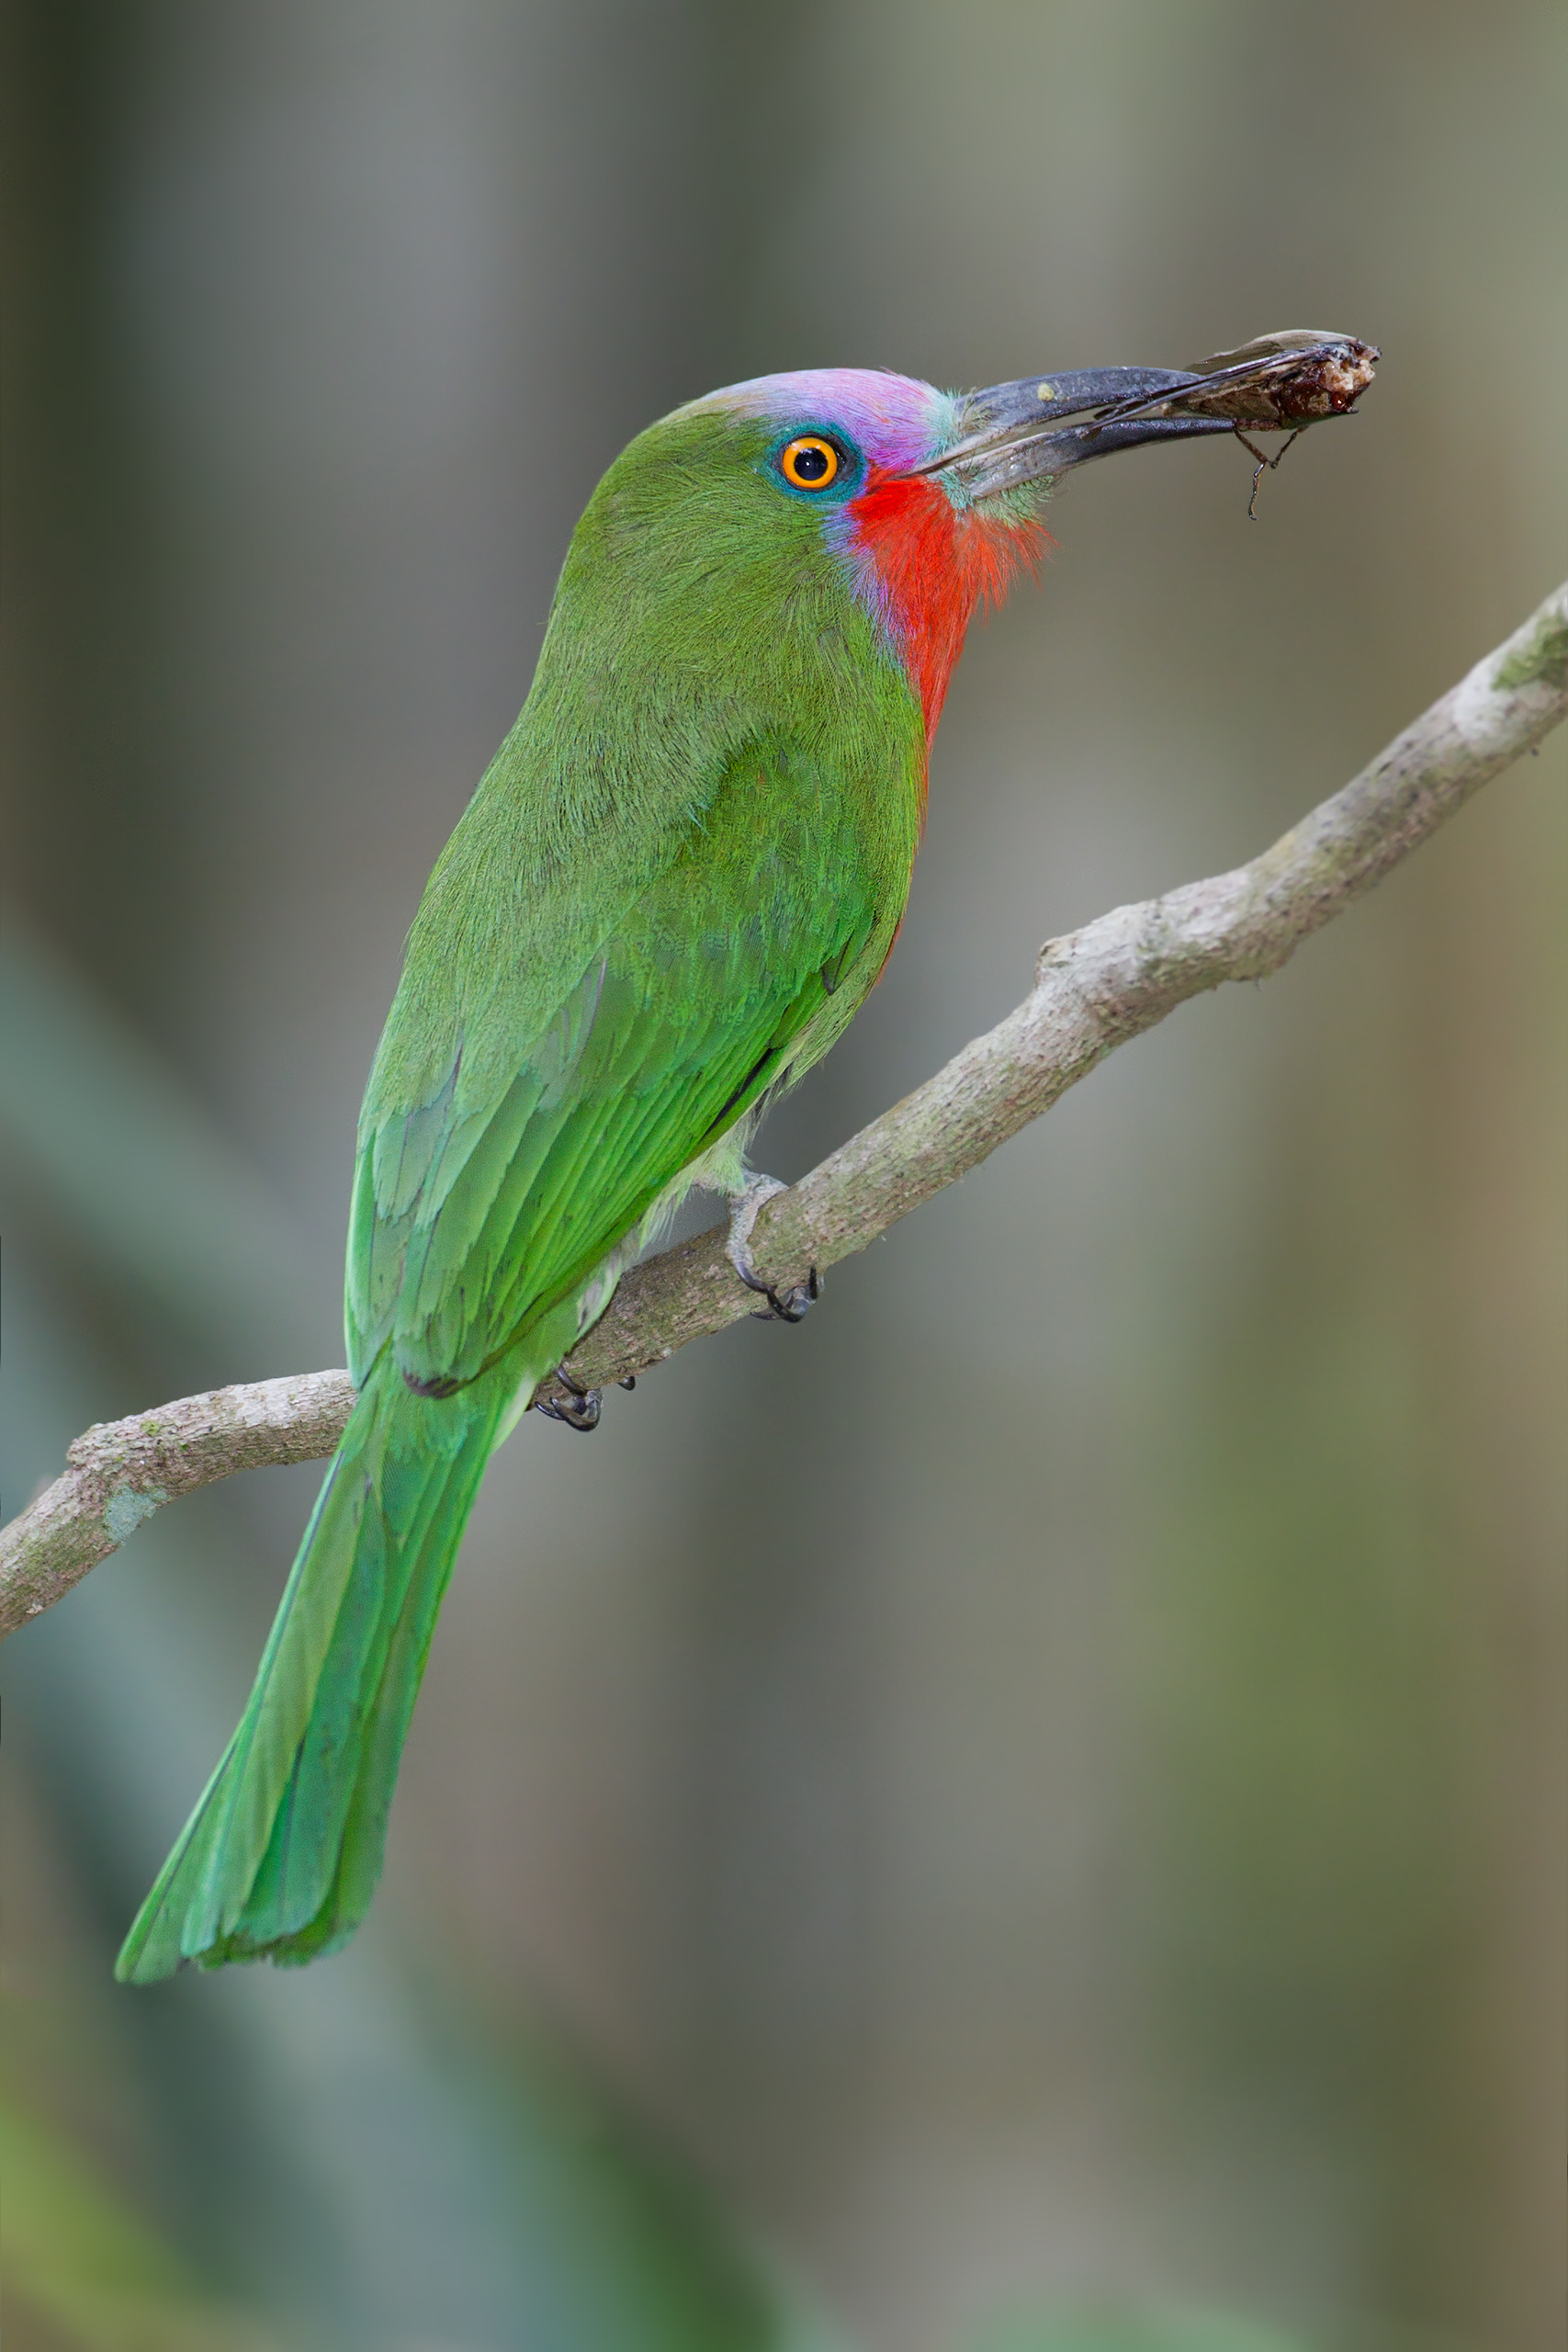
{"x":578,"y":1413}
{"x":792,"y":1307}
{"x":578,"y":1408}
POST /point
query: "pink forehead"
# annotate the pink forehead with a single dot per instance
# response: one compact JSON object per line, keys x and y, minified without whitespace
{"x":897,"y":420}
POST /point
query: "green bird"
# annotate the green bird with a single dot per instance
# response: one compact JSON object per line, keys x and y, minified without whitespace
{"x":673,"y":887}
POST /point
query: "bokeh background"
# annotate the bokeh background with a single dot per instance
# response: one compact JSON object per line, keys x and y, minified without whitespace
{"x":1027,"y":1811}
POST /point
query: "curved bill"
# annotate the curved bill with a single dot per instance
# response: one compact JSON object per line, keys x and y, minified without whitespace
{"x":1040,"y":425}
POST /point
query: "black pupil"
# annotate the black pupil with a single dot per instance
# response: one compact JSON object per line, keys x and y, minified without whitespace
{"x":812,"y":462}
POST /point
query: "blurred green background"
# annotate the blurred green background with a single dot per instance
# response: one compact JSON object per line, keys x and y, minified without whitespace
{"x":1025,"y":1814}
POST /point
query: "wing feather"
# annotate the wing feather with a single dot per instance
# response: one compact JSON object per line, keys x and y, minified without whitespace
{"x":739,"y":965}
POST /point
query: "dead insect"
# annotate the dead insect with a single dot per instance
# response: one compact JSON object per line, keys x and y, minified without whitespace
{"x":1279,"y":383}
{"x":1276,"y":383}
{"x":1289,"y":379}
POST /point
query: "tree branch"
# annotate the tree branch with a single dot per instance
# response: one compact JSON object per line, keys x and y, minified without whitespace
{"x":1093,"y":989}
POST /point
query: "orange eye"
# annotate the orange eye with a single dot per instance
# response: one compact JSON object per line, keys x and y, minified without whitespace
{"x":808,"y":462}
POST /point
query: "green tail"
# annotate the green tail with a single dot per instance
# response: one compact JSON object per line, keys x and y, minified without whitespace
{"x":281,"y":1857}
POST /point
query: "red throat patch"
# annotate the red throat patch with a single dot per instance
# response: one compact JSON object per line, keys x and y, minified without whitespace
{"x":930,"y":567}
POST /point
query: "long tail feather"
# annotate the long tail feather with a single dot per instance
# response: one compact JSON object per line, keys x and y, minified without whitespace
{"x":281,"y":1856}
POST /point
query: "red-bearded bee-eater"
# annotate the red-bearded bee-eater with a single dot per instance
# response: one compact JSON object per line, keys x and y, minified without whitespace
{"x":683,"y":872}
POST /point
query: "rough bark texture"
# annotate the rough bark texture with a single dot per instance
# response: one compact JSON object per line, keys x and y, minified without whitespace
{"x":1092,"y":989}
{"x":121,"y":1472}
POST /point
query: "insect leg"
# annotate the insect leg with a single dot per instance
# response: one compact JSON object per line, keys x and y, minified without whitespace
{"x":1264,"y":464}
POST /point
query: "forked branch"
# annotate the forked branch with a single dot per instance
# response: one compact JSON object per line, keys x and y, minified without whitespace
{"x":1092,"y":990}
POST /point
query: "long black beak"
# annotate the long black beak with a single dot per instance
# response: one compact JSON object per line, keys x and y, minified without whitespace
{"x":1042,"y":424}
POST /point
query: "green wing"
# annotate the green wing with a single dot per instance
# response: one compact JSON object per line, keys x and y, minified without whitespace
{"x":735,"y":967}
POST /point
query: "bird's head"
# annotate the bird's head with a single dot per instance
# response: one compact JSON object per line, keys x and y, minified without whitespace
{"x":931,"y":502}
{"x":719,"y":545}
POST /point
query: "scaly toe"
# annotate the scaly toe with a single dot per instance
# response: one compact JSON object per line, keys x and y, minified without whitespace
{"x":787,"y":1306}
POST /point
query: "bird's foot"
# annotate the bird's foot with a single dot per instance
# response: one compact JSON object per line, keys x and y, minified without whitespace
{"x":790,"y":1305}
{"x":578,"y":1408}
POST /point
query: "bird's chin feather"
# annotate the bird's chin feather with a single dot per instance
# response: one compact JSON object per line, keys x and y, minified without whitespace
{"x":923,"y":565}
